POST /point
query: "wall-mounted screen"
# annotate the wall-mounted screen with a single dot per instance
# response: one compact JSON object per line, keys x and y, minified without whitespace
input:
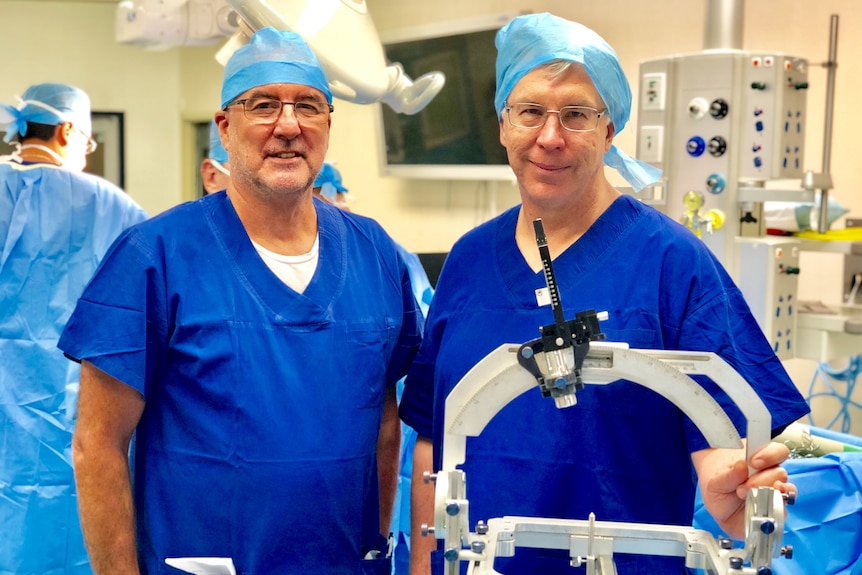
{"x":457,"y":135}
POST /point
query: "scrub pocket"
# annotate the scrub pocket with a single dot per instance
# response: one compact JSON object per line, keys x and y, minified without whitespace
{"x":365,"y":359}
{"x":380,"y":565}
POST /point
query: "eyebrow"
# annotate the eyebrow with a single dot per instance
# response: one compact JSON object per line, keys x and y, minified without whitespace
{"x":579,"y":105}
{"x":302,"y":98}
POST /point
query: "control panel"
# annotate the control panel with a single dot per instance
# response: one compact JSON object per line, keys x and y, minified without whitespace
{"x":713,"y":119}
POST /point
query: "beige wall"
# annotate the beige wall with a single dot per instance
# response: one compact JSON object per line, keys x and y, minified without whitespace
{"x":74,"y":43}
{"x":161,"y":93}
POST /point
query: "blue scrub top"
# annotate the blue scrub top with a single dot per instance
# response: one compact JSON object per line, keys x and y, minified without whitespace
{"x":623,"y":450}
{"x":55,"y":227}
{"x":263,"y":405}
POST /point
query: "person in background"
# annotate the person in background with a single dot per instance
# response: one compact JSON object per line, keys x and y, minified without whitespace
{"x":623,"y":452}
{"x":329,"y":186}
{"x":251,"y":340}
{"x":215,"y":168}
{"x":56,"y":224}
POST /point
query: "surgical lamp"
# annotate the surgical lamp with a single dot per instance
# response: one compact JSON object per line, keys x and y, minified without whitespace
{"x":341,"y":33}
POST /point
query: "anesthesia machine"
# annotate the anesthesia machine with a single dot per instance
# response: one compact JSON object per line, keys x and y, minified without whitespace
{"x":727,"y":127}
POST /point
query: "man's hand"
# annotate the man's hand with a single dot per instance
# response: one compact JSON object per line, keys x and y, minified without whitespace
{"x":724,"y":481}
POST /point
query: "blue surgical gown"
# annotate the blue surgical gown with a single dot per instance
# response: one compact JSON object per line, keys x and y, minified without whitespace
{"x":262,"y":405}
{"x":623,"y":451}
{"x":55,"y":227}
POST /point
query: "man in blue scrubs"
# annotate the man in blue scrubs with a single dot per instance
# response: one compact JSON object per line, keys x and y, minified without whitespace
{"x":56,"y":223}
{"x":251,"y":340}
{"x":623,"y":452}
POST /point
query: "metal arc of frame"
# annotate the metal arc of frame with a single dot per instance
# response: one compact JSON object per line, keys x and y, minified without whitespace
{"x":498,"y":379}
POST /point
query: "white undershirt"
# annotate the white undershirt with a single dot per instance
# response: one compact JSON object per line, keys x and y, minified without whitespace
{"x":295,"y":271}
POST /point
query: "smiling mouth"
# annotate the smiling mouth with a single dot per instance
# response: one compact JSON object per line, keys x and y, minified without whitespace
{"x":548,"y":167}
{"x":285,"y":155}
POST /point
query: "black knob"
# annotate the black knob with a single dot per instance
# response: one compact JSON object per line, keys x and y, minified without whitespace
{"x":717,"y":146}
{"x":735,"y":562}
{"x":787,"y":551}
{"x":718,"y":109}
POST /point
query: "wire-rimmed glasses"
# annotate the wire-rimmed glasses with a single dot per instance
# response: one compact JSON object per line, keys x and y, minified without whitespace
{"x":572,"y":118}
{"x":267,"y":110}
{"x":91,"y":142}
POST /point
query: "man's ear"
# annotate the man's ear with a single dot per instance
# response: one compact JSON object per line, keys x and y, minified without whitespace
{"x":63,"y":132}
{"x":209,"y":173}
{"x":609,"y":138}
{"x":221,"y":120}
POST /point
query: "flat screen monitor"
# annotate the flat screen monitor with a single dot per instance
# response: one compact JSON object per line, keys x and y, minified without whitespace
{"x":455,"y":137}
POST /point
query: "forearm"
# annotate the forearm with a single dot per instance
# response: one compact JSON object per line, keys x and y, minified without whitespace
{"x":106,"y":509}
{"x":388,"y":457}
{"x":421,"y":509}
{"x":108,"y":412}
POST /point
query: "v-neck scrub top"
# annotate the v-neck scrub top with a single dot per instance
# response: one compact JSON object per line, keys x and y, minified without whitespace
{"x":623,"y":451}
{"x":263,"y":405}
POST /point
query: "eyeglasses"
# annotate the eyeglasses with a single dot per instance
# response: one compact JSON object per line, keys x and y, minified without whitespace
{"x":266,"y":110}
{"x":572,"y":118}
{"x":91,"y":143}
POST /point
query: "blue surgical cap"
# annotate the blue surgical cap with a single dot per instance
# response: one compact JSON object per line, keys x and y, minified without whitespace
{"x":50,"y":104}
{"x":217,"y":151}
{"x":329,"y":181}
{"x":272,"y":57}
{"x":533,"y":40}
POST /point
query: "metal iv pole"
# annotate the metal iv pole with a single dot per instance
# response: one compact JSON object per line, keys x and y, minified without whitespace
{"x":830,"y":65}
